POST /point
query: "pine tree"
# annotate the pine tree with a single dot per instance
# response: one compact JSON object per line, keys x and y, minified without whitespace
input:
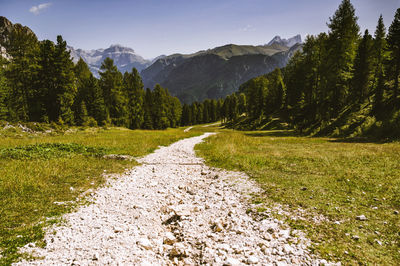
{"x":362,"y":79}
{"x":206,"y":109}
{"x":175,"y":111}
{"x":4,"y":90}
{"x":82,"y":117}
{"x":66,"y":89}
{"x":233,"y":107}
{"x":95,"y":101}
{"x":133,"y":86}
{"x":378,"y":64}
{"x":21,"y":72}
{"x":393,"y":41}
{"x":342,"y":43}
{"x":186,"y":115}
{"x":148,"y":108}
{"x":160,"y":108}
{"x":213,"y":110}
{"x":114,"y":98}
{"x":199,"y":115}
{"x":193,"y":112}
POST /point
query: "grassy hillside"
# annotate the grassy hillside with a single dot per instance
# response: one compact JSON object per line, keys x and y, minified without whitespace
{"x":43,"y":174}
{"x":324,"y":184}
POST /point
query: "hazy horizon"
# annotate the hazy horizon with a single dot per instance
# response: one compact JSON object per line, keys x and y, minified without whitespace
{"x":156,"y":27}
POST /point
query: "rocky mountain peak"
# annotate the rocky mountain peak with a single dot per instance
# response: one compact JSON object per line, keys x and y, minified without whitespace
{"x":124,"y":58}
{"x":286,"y":42}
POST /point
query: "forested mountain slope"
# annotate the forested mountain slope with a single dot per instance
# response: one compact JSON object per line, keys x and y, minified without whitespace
{"x":217,"y":72}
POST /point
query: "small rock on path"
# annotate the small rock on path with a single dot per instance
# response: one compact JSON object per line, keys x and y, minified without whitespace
{"x":172,"y":210}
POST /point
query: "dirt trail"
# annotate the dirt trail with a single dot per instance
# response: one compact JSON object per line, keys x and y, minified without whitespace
{"x":170,"y":210}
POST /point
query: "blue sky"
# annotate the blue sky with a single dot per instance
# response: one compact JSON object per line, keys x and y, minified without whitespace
{"x":155,"y":27}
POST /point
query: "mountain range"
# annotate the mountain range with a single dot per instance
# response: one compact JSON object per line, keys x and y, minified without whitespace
{"x":213,"y":73}
{"x":286,"y":42}
{"x":218,"y":72}
{"x":124,"y":58}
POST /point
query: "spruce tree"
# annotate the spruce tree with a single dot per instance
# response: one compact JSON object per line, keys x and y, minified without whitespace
{"x":65,"y":80}
{"x":214,"y":110}
{"x":133,"y":86}
{"x":193,"y":112}
{"x":175,"y":111}
{"x":362,"y":79}
{"x":379,"y":48}
{"x":186,"y":117}
{"x":4,"y":90}
{"x":114,"y":97}
{"x":160,"y":108}
{"x":21,"y":72}
{"x":393,"y":64}
{"x":342,"y":43}
{"x":148,"y":109}
{"x":199,"y":116}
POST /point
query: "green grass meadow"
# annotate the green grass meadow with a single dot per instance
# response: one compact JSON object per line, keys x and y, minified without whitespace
{"x":327,"y":178}
{"x":37,"y":170}
{"x":333,"y":180}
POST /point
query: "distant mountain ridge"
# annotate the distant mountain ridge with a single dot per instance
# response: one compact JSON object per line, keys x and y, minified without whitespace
{"x":216,"y":73}
{"x":213,"y":73}
{"x":124,"y":58}
{"x":286,"y":42}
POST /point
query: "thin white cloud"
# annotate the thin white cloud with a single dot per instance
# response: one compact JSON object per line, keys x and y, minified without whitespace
{"x":39,"y":8}
{"x":247,"y":28}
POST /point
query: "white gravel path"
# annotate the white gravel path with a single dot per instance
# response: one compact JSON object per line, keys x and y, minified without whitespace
{"x":172,"y":210}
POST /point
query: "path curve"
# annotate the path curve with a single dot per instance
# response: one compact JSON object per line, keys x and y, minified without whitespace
{"x":172,"y":210}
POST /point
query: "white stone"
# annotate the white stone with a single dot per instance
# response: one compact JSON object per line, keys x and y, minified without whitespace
{"x":145,"y":243}
{"x":252,"y":260}
{"x":169,"y":238}
{"x":361,"y":217}
{"x":232,"y":261}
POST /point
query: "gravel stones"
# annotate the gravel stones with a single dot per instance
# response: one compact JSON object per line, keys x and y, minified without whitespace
{"x":172,"y":210}
{"x":361,"y":218}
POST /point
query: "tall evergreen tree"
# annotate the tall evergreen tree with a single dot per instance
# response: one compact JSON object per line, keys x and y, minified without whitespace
{"x":133,"y":86}
{"x":64,"y":78}
{"x":160,"y":108}
{"x":342,"y":43}
{"x":213,"y":110}
{"x":4,"y":90}
{"x":21,"y":72}
{"x":242,"y":104}
{"x":362,"y":79}
{"x":148,"y":110}
{"x":175,"y":111}
{"x":186,"y":115}
{"x":114,"y":98}
{"x":193,"y":112}
{"x":393,"y":41}
{"x":378,"y":64}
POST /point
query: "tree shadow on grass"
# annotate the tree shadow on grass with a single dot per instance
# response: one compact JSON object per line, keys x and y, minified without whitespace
{"x":363,"y":140}
{"x":273,"y":133}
